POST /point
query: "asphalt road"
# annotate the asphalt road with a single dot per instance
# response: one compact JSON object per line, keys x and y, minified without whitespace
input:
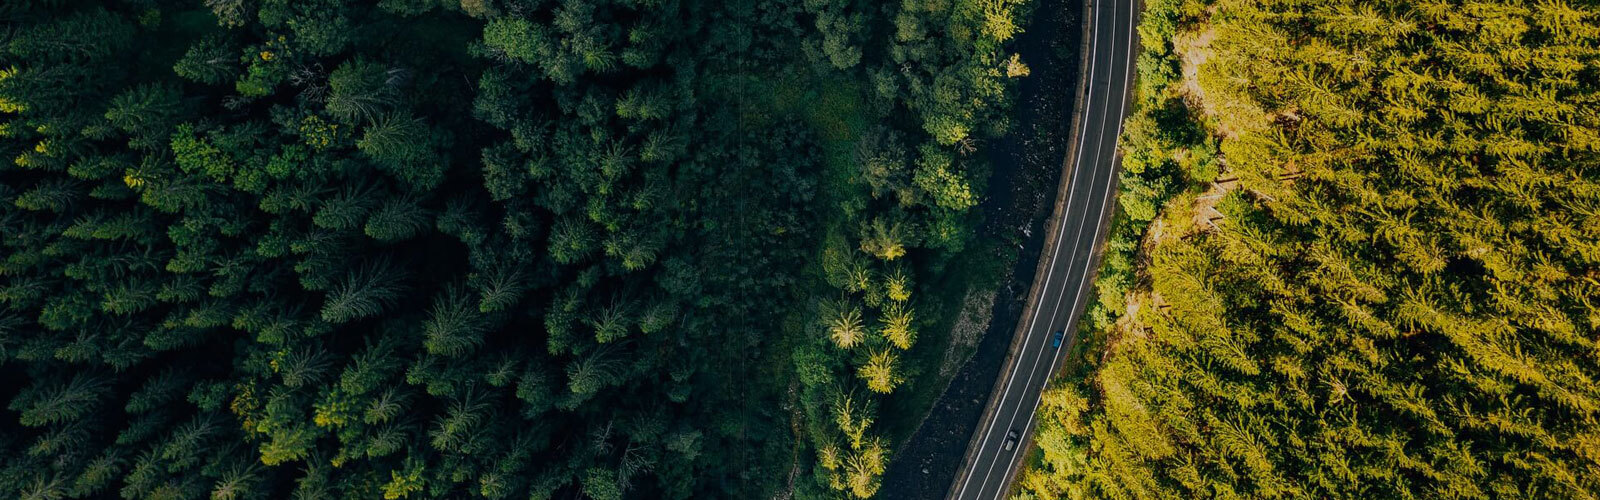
{"x":1072,"y":263}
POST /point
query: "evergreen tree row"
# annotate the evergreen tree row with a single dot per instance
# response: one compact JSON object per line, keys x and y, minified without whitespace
{"x":259,"y":249}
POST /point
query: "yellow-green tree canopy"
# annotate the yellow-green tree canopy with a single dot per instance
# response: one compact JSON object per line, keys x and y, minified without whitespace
{"x":1399,"y":297}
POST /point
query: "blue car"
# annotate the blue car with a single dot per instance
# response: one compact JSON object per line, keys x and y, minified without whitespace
{"x":1055,"y":341}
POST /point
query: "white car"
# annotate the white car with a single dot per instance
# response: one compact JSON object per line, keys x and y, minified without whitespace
{"x":1011,"y":440}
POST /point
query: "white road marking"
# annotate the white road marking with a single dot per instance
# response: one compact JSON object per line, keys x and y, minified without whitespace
{"x":1032,"y":322}
{"x":1127,"y":80}
{"x":1083,"y":278}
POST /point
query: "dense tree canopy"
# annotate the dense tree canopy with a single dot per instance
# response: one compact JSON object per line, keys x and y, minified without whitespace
{"x":487,"y":248}
{"x":1390,"y":290}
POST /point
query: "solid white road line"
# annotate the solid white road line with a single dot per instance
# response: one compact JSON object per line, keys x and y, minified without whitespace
{"x":1127,"y":80}
{"x":1050,"y":272}
{"x":1083,"y":277}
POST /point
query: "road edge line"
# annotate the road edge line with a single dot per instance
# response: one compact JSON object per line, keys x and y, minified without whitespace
{"x":1097,"y":254}
{"x":1052,"y":225}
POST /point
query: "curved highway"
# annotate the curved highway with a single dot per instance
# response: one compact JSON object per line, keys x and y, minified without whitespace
{"x":1084,"y":222}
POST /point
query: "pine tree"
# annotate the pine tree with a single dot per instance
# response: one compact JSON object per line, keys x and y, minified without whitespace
{"x":398,"y":219}
{"x":364,"y":292}
{"x":844,"y":325}
{"x":454,"y":328}
{"x":880,"y":372}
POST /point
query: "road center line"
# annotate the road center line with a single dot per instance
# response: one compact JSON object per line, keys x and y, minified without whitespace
{"x":1078,"y":238}
{"x":1050,"y":272}
{"x":1127,"y":81}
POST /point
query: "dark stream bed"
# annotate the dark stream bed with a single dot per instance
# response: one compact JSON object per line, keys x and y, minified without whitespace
{"x":1027,"y":165}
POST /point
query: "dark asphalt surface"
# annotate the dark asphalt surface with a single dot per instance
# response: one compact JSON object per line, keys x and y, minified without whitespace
{"x":1071,"y":267}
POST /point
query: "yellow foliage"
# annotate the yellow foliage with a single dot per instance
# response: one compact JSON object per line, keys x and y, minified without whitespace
{"x":864,"y":469}
{"x":879,"y":372}
{"x":846,"y":330}
{"x":828,"y":457}
{"x":403,"y":485}
{"x":1000,"y":20}
{"x":896,"y":327}
{"x":898,"y":285}
{"x":852,"y":420}
{"x":1015,"y":68}
{"x":334,"y":411}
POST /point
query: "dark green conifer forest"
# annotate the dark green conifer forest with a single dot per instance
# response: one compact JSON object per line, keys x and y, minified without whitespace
{"x":264,"y":249}
{"x":1367,"y":262}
